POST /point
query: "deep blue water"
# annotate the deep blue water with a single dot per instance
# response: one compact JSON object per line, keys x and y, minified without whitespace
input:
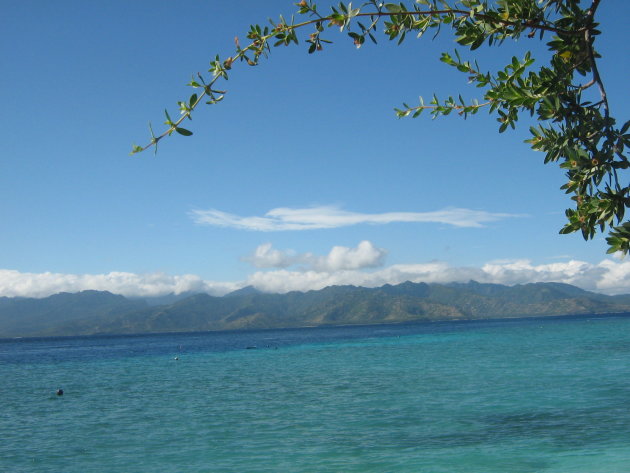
{"x":527,"y":395}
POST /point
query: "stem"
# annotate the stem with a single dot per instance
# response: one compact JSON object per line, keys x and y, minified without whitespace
{"x":591,"y":54}
{"x":452,"y":107}
{"x":375,"y":16}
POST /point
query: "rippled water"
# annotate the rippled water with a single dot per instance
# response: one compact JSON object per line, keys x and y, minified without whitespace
{"x":535,"y":395}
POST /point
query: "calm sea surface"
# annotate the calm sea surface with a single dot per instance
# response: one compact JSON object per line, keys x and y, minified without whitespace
{"x":531,"y":395}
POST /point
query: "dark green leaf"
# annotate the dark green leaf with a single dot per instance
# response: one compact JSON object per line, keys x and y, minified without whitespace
{"x":183,"y":131}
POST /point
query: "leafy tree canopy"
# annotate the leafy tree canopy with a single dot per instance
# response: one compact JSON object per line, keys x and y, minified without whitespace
{"x":567,"y":96}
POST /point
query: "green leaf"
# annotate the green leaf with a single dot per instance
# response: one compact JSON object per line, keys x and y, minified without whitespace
{"x":192,"y":100}
{"x":183,"y":131}
{"x":136,"y":149}
{"x":393,"y":8}
{"x":478,"y":42}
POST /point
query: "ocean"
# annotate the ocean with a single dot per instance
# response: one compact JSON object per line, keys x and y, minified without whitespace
{"x":524,"y":395}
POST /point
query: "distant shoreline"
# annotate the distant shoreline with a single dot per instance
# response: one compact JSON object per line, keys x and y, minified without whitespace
{"x":498,"y":320}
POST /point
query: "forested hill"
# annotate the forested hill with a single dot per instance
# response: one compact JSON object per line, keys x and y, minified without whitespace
{"x":93,"y":312}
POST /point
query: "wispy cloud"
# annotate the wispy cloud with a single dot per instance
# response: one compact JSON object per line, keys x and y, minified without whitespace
{"x":287,"y":219}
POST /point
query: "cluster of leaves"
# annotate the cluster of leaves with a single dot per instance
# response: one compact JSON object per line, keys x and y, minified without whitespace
{"x":566,"y":96}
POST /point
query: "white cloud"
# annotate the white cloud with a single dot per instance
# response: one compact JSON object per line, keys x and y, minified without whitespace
{"x":339,"y":267}
{"x":365,"y":255}
{"x":614,"y":277}
{"x":284,"y":280}
{"x":17,"y":284}
{"x":574,"y":272}
{"x":608,"y":276}
{"x":283,"y":219}
{"x":265,"y":256}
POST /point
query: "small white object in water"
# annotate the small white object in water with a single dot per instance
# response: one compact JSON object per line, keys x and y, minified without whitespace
{"x":176,"y":358}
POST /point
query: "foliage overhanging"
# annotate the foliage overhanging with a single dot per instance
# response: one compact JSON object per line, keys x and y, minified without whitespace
{"x":567,"y":96}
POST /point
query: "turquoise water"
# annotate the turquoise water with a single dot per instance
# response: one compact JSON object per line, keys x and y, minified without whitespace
{"x":535,"y":395}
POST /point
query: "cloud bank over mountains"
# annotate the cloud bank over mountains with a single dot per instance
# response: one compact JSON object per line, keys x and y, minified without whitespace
{"x":287,"y":219}
{"x":609,"y":277}
{"x":18,"y":284}
{"x":285,"y":270}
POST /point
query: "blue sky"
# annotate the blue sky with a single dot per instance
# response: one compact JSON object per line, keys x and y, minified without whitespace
{"x":301,"y":178}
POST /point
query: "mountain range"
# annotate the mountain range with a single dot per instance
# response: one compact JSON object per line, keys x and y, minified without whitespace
{"x":101,"y":312}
